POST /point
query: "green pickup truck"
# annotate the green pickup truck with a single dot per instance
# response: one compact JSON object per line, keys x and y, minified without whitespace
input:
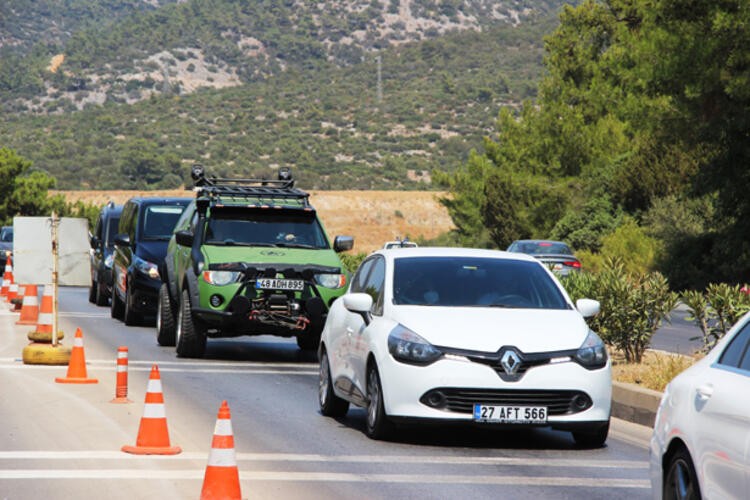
{"x":248,"y":257}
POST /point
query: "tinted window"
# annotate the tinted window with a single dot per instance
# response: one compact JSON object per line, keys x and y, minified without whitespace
{"x":472,"y":281}
{"x":374,"y":285}
{"x":111,"y":230}
{"x":736,"y":348}
{"x":543,"y":247}
{"x":291,"y":229}
{"x":7,"y":235}
{"x":358,"y":281}
{"x":159,"y":221}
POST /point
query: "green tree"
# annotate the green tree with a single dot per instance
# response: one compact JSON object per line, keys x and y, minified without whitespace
{"x":22,"y":192}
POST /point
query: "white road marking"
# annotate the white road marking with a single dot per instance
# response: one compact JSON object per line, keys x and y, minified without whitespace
{"x":285,"y":476}
{"x":301,"y":457}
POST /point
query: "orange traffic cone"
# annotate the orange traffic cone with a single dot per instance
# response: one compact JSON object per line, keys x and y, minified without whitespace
{"x":153,"y":435}
{"x":7,"y":277}
{"x":77,"y":364}
{"x":121,"y":386}
{"x":12,"y":292}
{"x":222,"y":479}
{"x":44,"y":319}
{"x":29,"y":306}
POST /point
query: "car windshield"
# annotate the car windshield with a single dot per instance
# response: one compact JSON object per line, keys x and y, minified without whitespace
{"x":111,"y":231}
{"x":545,"y":247}
{"x":159,"y":221}
{"x":255,"y":227}
{"x":474,"y":282}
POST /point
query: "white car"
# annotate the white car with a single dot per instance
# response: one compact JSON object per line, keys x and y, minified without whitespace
{"x":464,"y":335}
{"x":701,"y":441}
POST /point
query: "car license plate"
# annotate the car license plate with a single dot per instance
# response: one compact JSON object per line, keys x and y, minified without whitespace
{"x":510,"y":414}
{"x":277,"y":284}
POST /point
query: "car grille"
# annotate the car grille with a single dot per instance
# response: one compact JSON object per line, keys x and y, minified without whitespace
{"x":462,"y":400}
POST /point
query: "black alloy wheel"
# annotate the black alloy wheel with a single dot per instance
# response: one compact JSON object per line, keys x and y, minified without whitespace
{"x":681,"y":481}
{"x":191,"y":334}
{"x":166,"y":329}
{"x":129,"y":316}
{"x":378,"y":425}
{"x":330,"y":404}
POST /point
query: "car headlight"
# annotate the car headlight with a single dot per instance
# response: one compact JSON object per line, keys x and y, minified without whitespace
{"x":148,"y":268}
{"x":331,"y":280}
{"x":593,"y":353}
{"x":108,"y":260}
{"x":220,"y":278}
{"x":408,"y":347}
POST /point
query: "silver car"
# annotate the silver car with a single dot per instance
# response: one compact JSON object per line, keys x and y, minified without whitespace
{"x":555,"y":254}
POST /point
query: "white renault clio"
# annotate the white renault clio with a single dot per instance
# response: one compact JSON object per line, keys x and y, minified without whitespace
{"x":477,"y":336}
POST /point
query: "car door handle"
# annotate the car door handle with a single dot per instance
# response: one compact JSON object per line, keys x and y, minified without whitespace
{"x":704,"y":391}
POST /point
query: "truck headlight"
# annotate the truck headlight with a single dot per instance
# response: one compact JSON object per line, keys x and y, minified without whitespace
{"x":220,"y":278}
{"x":331,"y":280}
{"x":148,"y":268}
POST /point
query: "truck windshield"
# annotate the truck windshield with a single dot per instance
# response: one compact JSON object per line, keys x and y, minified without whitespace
{"x":288,"y":228}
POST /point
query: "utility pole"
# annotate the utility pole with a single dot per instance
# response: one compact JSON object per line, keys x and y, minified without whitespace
{"x":379,"y":59}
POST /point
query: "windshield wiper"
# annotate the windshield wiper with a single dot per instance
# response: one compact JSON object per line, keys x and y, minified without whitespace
{"x":295,"y":245}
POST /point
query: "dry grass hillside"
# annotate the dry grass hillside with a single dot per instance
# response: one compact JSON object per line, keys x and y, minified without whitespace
{"x":372,"y":217}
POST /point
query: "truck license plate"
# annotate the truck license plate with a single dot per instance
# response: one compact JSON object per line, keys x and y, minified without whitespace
{"x":279,"y":284}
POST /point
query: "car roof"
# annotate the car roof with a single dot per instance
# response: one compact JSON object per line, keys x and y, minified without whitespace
{"x":394,"y":253}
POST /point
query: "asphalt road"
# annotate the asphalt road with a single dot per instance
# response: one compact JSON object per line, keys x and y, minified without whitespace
{"x":62,"y":441}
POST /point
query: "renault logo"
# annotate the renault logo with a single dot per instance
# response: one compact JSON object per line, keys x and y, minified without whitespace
{"x":510,"y":362}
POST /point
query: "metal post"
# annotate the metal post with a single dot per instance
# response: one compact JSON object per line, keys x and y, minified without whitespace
{"x":55,"y":222}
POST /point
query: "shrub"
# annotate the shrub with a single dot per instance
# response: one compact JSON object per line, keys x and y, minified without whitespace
{"x":633,"y":306}
{"x":352,"y":261}
{"x":716,"y":310}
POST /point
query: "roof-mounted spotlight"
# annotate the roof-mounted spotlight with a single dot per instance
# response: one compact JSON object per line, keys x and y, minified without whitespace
{"x":285,"y":174}
{"x":197,"y":172}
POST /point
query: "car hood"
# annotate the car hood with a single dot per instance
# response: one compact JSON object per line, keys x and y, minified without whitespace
{"x":152,"y":251}
{"x":269,"y":255}
{"x":489,"y":329}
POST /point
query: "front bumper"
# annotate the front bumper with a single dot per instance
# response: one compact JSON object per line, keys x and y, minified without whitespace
{"x":405,"y":387}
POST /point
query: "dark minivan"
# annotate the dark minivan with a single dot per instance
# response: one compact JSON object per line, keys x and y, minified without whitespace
{"x":145,"y":227}
{"x":102,"y":253}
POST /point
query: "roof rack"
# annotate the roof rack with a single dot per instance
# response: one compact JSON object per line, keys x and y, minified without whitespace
{"x":267,"y":192}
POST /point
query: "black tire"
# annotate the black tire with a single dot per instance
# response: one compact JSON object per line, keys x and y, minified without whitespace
{"x":129,"y":317}
{"x":191,"y":334}
{"x":680,"y":480}
{"x":593,"y":438}
{"x":330,"y":404}
{"x":116,"y":307}
{"x":101,"y":295}
{"x":166,"y":328}
{"x":377,"y":424}
{"x":92,"y":292}
{"x":309,"y":341}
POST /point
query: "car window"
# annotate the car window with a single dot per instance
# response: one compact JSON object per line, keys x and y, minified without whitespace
{"x":111,"y":231}
{"x":159,"y":221}
{"x":474,"y":282}
{"x":358,"y":281}
{"x":736,"y":349}
{"x":374,"y":285}
{"x":182,"y":222}
{"x":7,"y":235}
{"x":292,"y":228}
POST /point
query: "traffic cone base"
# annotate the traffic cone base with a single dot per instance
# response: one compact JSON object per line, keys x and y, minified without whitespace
{"x":153,"y":435}
{"x":77,"y":365}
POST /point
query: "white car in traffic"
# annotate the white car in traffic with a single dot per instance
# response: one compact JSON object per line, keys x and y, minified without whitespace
{"x":464,"y":335}
{"x":700,"y":447}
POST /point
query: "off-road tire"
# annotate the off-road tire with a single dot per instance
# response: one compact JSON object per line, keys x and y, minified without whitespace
{"x":330,"y":404}
{"x":92,"y":292}
{"x":191,"y":333}
{"x":166,"y":327}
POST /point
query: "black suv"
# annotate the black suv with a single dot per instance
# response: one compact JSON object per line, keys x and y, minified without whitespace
{"x":102,"y":253}
{"x":6,"y":245}
{"x":143,"y":233}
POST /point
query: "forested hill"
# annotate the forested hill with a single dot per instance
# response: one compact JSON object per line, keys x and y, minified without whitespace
{"x":130,"y":99}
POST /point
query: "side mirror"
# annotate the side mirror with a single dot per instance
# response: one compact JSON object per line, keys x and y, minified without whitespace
{"x":343,"y":243}
{"x":359,"y":303}
{"x":122,"y":240}
{"x":94,"y":241}
{"x":184,"y":238}
{"x":588,"y":307}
